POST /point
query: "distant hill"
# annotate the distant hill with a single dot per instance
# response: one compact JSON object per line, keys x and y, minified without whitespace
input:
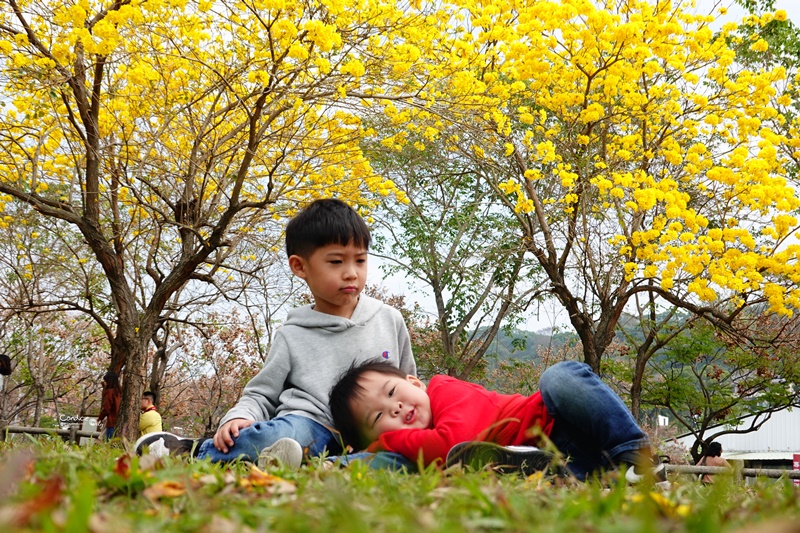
{"x":522,"y":345}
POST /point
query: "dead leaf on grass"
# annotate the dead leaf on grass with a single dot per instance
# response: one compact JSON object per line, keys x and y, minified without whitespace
{"x":208,"y":479}
{"x":219,"y":524}
{"x":229,"y":478}
{"x":123,"y":466}
{"x":51,"y":495}
{"x":259,"y":478}
{"x":275,"y":485}
{"x":149,"y":462}
{"x":772,"y":526}
{"x":164,"y":489}
{"x":13,"y":470}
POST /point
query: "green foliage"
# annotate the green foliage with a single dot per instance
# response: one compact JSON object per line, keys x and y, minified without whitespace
{"x":709,"y":382}
{"x":453,"y":236}
{"x":782,"y":36}
{"x":57,"y":487}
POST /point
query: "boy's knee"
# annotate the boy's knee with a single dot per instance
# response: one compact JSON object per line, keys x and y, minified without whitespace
{"x":563,"y":378}
{"x":560,"y":371}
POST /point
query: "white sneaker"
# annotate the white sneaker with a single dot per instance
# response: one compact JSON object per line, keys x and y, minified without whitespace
{"x":658,"y":475}
{"x":162,"y":444}
{"x":522,"y":459}
{"x":286,"y":452}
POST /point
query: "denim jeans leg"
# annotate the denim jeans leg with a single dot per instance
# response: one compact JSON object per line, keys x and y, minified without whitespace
{"x":311,"y":435}
{"x":591,"y":423}
{"x":378,"y":461}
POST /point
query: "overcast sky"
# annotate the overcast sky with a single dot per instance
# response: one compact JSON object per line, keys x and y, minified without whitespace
{"x":735,"y":12}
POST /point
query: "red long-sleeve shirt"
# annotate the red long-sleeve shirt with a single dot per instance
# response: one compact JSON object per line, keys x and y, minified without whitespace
{"x":463,"y":411}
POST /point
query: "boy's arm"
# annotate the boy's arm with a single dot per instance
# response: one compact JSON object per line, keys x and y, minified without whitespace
{"x":407,"y":363}
{"x":259,"y":400}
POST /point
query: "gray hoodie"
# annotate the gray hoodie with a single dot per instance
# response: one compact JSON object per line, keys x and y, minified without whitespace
{"x":312,"y":350}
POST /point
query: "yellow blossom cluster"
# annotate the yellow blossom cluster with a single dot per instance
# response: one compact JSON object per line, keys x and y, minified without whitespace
{"x":630,"y":120}
{"x":634,"y":118}
{"x":227,"y":105}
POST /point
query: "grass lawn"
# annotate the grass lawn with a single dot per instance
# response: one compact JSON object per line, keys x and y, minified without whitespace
{"x":51,"y":486}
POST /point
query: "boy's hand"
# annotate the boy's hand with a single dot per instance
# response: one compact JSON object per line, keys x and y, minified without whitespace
{"x":223,"y":438}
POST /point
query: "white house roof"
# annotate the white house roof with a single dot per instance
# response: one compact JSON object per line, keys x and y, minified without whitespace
{"x":756,"y":456}
{"x":778,"y":438}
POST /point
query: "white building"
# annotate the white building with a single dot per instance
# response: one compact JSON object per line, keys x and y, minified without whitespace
{"x":773,"y":444}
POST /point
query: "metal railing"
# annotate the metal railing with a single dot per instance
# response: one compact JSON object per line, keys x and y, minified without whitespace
{"x":73,"y":434}
{"x":741,"y":472}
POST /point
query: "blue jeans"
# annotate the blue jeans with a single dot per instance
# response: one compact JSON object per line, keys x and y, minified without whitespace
{"x":378,"y":461}
{"x":592,"y":424}
{"x":312,"y":436}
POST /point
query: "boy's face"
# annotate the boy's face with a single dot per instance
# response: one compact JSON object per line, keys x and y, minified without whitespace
{"x":389,"y":403}
{"x":335,"y":274}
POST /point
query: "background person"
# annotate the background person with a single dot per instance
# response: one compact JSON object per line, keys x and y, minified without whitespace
{"x":150,"y":419}
{"x":711,"y":457}
{"x":112,"y":396}
{"x":5,"y":368}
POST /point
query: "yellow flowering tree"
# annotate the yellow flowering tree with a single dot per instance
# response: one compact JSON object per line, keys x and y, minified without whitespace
{"x":171,"y":135}
{"x":634,"y":152}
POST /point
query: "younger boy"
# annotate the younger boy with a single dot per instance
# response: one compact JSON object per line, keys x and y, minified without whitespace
{"x":284,"y":408}
{"x":584,"y":419}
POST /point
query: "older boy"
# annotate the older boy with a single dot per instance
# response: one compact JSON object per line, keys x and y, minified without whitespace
{"x":584,"y":419}
{"x":284,"y":408}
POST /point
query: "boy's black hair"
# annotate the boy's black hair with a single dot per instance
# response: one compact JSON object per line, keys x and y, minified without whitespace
{"x":324,"y":222}
{"x":150,"y":394}
{"x":5,"y":364}
{"x":348,"y":389}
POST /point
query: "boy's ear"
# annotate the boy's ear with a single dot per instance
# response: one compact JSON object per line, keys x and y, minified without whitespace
{"x":414,"y":380}
{"x":298,"y":266}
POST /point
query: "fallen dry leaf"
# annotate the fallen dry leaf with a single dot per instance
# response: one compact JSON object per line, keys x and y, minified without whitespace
{"x":123,"y":466}
{"x":259,"y":478}
{"x":219,"y":524}
{"x":229,"y":478}
{"x":13,"y":470}
{"x":149,"y":462}
{"x":50,"y":496}
{"x":164,"y":489}
{"x":208,"y":479}
{"x":772,"y":526}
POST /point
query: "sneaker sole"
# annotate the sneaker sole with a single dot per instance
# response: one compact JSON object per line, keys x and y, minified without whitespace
{"x":170,"y":444}
{"x":658,"y":475}
{"x":477,"y":455}
{"x":287,"y":452}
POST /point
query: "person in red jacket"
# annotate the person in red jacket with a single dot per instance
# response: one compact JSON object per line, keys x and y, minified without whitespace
{"x":112,"y":395}
{"x":449,"y":420}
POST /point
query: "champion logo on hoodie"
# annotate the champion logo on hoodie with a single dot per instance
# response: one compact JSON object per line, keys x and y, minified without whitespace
{"x":385,"y":355}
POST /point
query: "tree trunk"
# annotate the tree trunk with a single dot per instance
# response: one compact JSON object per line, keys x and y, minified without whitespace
{"x":636,"y":392}
{"x":132,"y":389}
